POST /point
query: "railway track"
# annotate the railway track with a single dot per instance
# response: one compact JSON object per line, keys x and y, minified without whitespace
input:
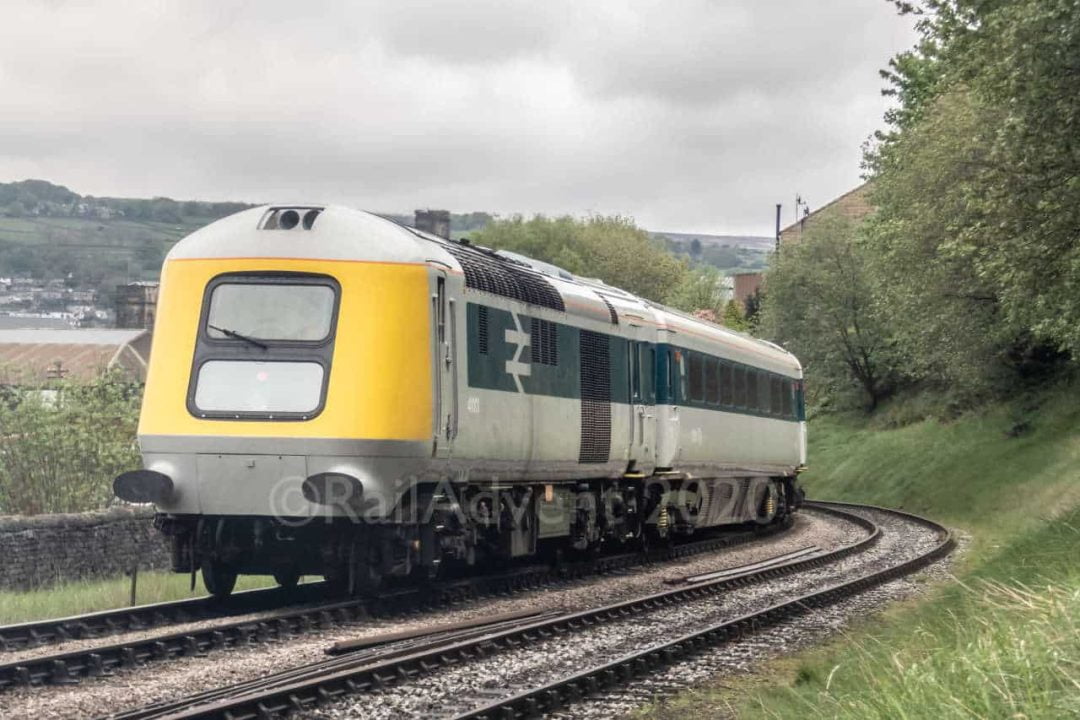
{"x":555,"y":694}
{"x":70,"y":667}
{"x":310,"y":687}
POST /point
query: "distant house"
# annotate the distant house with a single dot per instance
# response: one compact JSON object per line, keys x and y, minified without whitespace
{"x":854,"y":204}
{"x":37,"y":356}
{"x":136,"y":305}
{"x":746,"y":285}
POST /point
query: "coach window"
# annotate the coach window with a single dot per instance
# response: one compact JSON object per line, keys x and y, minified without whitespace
{"x":787,"y":406}
{"x":712,"y":382}
{"x":697,"y":388}
{"x":727,"y":384}
{"x":650,"y":376}
{"x":680,"y":358}
{"x":739,"y":385}
{"x":753,"y":402}
{"x":776,"y":400}
{"x":670,"y":378}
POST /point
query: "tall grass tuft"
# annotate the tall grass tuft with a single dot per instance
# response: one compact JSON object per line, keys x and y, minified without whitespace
{"x":1013,"y":651}
{"x":83,"y":596}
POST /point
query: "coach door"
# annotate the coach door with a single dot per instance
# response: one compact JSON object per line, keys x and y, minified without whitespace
{"x":643,"y":404}
{"x":444,"y":332}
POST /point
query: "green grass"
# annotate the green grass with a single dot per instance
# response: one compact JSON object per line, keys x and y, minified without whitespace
{"x":85,"y":596}
{"x":49,"y":230}
{"x":1001,"y":642}
{"x":968,"y":473}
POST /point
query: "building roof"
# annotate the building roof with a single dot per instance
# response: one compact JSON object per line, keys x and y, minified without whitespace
{"x":69,"y":336}
{"x":15,"y":322}
{"x":826,"y":206}
{"x":33,"y":356}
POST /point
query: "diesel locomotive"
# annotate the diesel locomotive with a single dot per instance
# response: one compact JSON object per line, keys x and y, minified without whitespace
{"x":331,"y":393}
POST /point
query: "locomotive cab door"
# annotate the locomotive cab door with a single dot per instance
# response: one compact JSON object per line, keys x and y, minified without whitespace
{"x":444,"y":340}
{"x":643,"y":405}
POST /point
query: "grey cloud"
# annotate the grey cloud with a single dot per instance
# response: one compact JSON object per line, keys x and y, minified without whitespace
{"x":690,"y":116}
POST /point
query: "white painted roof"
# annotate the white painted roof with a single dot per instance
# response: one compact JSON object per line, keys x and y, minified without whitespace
{"x":75,"y":336}
{"x":338,"y":233}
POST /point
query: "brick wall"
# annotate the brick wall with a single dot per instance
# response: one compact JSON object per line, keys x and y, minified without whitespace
{"x":746,"y":284}
{"x":41,"y":550}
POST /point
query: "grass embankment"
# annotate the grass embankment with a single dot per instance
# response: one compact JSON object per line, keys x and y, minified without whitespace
{"x":1003,"y":641}
{"x":85,"y":596}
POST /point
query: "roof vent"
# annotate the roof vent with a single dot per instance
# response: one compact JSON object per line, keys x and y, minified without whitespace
{"x":288,"y":218}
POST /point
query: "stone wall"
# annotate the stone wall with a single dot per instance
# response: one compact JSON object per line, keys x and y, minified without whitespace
{"x":41,"y":550}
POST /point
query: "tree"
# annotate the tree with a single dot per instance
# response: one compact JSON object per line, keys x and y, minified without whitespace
{"x":733,"y":317}
{"x":978,"y":190}
{"x":63,"y":444}
{"x":821,"y":306}
{"x":699,"y":289}
{"x":753,"y":307}
{"x":612,"y":249}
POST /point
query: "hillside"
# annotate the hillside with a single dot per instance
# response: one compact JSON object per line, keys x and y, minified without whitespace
{"x":727,"y":253}
{"x":1002,"y":641}
{"x":49,"y":231}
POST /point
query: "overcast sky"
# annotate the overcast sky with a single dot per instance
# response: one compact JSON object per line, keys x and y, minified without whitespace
{"x":689,"y":115}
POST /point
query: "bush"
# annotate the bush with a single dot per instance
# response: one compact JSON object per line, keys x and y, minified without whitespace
{"x":62,"y":445}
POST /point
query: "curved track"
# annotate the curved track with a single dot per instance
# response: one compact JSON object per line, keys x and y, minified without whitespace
{"x":97,"y":660}
{"x":309,"y":687}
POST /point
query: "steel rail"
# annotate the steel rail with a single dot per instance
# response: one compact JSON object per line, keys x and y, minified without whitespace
{"x":553,"y":695}
{"x":69,"y":667}
{"x":434,"y":637}
{"x":739,"y":569}
{"x":318,"y":684}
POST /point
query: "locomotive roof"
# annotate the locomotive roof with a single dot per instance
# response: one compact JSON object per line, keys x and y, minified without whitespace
{"x":340,"y":233}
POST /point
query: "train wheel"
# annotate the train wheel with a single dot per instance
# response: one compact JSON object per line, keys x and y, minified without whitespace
{"x":219,"y":578}
{"x":287,"y":579}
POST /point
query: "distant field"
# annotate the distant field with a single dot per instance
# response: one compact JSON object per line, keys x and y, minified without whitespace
{"x":89,"y":232}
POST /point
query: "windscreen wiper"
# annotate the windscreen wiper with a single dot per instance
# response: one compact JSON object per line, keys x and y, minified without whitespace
{"x":233,"y":334}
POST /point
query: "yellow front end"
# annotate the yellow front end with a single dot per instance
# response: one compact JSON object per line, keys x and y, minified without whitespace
{"x":380,"y":378}
{"x":378,"y":394}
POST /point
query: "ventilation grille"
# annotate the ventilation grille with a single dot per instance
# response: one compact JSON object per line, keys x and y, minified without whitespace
{"x":506,"y":278}
{"x":611,"y":309}
{"x":544,"y":342}
{"x":595,"y":398}
{"x":482,"y":329}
